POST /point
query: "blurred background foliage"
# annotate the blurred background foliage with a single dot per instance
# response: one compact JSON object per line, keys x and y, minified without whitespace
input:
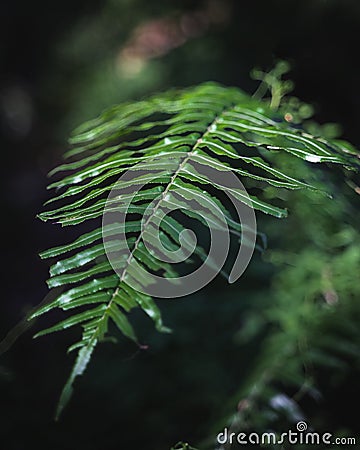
{"x":280,"y":345}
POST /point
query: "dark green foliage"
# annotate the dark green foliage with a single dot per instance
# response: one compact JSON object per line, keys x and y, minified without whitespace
{"x":304,"y":326}
{"x":206,"y":126}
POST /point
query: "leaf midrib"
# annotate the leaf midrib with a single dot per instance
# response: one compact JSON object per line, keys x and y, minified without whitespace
{"x":182,"y":163}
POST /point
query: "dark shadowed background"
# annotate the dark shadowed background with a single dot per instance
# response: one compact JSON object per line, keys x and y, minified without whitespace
{"x":64,"y":62}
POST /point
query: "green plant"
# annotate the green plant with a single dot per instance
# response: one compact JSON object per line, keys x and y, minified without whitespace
{"x":179,"y":135}
{"x":183,"y":446}
{"x":304,"y":326}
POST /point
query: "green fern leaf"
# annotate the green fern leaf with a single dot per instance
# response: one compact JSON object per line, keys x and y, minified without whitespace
{"x":174,"y":137}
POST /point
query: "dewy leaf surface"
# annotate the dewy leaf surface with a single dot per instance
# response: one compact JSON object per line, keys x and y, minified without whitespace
{"x":176,"y":136}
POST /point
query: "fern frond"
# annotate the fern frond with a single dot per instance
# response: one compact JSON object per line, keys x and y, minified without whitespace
{"x":169,"y":144}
